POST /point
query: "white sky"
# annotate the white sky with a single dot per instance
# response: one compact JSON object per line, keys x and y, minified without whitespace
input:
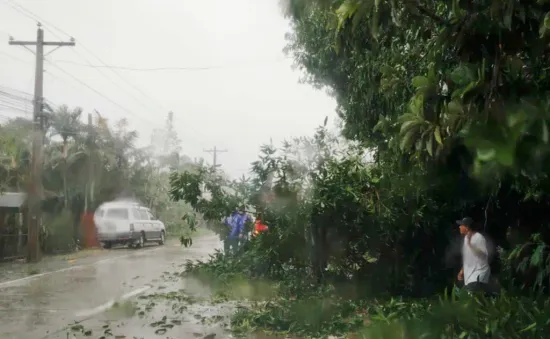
{"x":248,"y":95}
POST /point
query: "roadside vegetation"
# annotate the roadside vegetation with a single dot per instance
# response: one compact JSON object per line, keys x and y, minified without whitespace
{"x":444,"y":109}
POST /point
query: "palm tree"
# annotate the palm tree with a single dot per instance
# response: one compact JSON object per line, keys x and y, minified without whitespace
{"x":15,"y":154}
{"x":65,"y":122}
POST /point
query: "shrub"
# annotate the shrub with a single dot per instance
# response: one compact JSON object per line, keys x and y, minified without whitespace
{"x":58,"y":233}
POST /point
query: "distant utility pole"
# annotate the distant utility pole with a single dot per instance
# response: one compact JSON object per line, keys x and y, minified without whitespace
{"x":215,"y":152}
{"x":34,"y":218}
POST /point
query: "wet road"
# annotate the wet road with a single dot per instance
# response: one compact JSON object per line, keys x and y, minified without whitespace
{"x":119,"y":293}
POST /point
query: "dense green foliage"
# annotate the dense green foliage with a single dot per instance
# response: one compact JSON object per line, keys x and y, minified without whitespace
{"x":85,"y":165}
{"x":444,"y":107}
{"x":450,"y":94}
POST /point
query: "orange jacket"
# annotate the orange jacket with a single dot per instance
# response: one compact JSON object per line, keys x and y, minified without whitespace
{"x":259,"y":228}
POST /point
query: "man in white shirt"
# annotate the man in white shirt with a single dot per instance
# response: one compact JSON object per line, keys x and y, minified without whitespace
{"x":475,"y":270}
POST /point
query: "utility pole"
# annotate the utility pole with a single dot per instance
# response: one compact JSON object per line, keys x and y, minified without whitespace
{"x":215,"y":152}
{"x":34,"y":196}
{"x":89,"y":200}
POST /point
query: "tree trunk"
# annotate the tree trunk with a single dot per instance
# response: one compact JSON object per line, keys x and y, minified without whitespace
{"x":65,"y":193}
{"x":86,"y":189}
{"x":92,"y":192}
{"x":19,"y":221}
{"x":318,"y":260}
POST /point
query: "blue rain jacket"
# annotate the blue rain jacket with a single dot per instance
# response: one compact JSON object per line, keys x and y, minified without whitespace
{"x":236,"y":223}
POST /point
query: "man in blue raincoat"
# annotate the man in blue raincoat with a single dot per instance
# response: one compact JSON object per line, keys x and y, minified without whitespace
{"x":237,"y":230}
{"x":229,"y":222}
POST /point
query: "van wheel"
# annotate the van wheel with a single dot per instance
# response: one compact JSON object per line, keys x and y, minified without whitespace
{"x":107,"y":245}
{"x":141,"y":240}
{"x":161,"y":242}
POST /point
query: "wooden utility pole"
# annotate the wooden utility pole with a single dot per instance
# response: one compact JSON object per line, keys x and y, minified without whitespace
{"x":215,"y":152}
{"x":35,"y":194}
{"x":89,"y":199}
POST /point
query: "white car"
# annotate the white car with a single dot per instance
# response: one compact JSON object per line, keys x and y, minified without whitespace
{"x":127,"y":223}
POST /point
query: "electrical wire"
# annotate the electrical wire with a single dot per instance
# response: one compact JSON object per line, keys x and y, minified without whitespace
{"x":9,"y":100}
{"x":81,"y":132}
{"x":15,"y":96}
{"x":29,"y":14}
{"x":19,"y":8}
{"x":98,"y":92}
{"x":13,"y":57}
{"x":33,"y":16}
{"x":112,"y":81}
{"x":9,"y":108}
{"x":166,"y":68}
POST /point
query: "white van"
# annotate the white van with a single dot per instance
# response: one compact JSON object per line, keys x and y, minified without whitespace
{"x":127,"y":223}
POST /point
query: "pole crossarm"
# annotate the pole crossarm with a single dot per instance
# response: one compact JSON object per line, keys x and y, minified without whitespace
{"x":215,"y":152}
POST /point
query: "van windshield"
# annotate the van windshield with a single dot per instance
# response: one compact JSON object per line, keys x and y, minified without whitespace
{"x":117,"y":213}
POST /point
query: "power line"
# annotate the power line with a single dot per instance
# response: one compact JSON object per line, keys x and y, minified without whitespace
{"x":29,"y":14}
{"x":15,"y":100}
{"x":19,"y":8}
{"x":206,"y":68}
{"x":116,"y":84}
{"x":12,"y":108}
{"x":89,"y":87}
{"x":15,"y":90}
{"x":75,"y":79}
{"x":8,"y":118}
{"x":15,"y":96}
{"x":113,"y":69}
{"x":20,"y":97}
{"x":96,"y":91}
{"x":33,"y":16}
{"x":126,"y":81}
{"x":13,"y":57}
{"x":12,"y":100}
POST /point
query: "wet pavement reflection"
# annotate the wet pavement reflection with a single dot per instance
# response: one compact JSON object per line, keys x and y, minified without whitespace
{"x":124,"y":293}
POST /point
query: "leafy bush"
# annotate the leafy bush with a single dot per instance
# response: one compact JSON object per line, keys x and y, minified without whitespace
{"x":461,"y":316}
{"x":58,"y":233}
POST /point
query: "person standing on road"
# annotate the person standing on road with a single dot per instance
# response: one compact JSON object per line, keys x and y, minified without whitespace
{"x":237,"y":229}
{"x":475,"y":270}
{"x":230,"y":223}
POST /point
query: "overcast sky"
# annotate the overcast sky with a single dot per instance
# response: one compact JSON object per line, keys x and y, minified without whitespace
{"x":239,"y":92}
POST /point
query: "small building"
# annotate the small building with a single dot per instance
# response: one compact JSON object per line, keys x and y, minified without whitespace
{"x":12,"y":217}
{"x":12,"y":200}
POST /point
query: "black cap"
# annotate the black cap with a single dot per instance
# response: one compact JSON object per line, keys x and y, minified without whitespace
{"x":467,"y":221}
